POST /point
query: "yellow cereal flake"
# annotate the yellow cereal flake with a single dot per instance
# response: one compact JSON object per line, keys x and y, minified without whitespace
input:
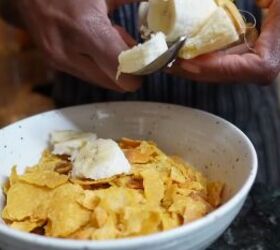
{"x":195,"y":209}
{"x":83,"y":233}
{"x":66,"y":215}
{"x":100,"y":216}
{"x":44,"y":178}
{"x":88,"y":182}
{"x":6,"y":187}
{"x":112,"y":199}
{"x":169,"y":220}
{"x":135,"y":156}
{"x":153,"y":186}
{"x":215,"y":192}
{"x":14,"y":176}
{"x":126,"y":143}
{"x":26,"y":201}
{"x":140,"y":220}
{"x":107,"y":231}
{"x":177,"y":176}
{"x":51,"y":162}
{"x":27,"y":225}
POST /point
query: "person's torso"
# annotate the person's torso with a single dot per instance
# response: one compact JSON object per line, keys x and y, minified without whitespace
{"x":252,"y":108}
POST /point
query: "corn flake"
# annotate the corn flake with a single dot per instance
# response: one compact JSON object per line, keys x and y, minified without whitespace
{"x":65,"y":214}
{"x":44,"y":178}
{"x":27,"y":225}
{"x":153,"y":186}
{"x":26,"y":201}
{"x":215,"y":192}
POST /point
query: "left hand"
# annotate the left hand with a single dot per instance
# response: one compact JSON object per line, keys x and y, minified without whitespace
{"x":261,"y":66}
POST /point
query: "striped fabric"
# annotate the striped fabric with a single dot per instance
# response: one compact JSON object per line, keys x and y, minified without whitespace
{"x":252,"y":108}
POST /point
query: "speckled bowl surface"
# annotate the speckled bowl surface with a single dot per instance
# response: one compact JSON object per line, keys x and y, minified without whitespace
{"x":211,"y":144}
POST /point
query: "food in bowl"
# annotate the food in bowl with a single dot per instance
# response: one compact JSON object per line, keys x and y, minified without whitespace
{"x":90,"y":188}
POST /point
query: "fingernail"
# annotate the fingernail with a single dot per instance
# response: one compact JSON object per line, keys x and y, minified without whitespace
{"x":190,"y":67}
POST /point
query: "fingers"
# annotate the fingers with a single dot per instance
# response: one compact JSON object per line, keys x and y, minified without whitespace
{"x":130,"y":42}
{"x":226,"y":68}
{"x":83,"y":67}
{"x":89,"y":71}
{"x":239,"y":49}
{"x":236,"y":64}
{"x":104,"y":44}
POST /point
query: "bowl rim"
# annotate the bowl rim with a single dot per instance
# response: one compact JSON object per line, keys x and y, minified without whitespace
{"x":148,"y":239}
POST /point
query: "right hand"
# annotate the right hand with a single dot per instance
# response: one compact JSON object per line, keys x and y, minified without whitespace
{"x":78,"y":38}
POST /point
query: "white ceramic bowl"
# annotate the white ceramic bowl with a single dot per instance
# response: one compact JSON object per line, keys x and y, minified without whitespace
{"x":212,"y":144}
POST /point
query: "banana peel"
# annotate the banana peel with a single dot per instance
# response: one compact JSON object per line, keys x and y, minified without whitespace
{"x":223,"y":28}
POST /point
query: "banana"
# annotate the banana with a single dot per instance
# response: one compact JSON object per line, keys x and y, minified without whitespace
{"x":102,"y":158}
{"x":176,"y":18}
{"x":210,"y":25}
{"x":218,"y":32}
{"x":66,"y":142}
{"x":141,"y":55}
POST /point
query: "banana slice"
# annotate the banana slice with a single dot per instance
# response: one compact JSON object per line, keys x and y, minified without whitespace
{"x":66,"y":142}
{"x":176,"y":18}
{"x":218,"y":32}
{"x":102,"y":158}
{"x":141,"y":55}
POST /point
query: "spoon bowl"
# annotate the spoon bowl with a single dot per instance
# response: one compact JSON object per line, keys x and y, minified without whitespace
{"x":167,"y":57}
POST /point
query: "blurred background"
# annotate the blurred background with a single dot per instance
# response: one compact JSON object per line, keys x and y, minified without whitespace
{"x":25,"y":79}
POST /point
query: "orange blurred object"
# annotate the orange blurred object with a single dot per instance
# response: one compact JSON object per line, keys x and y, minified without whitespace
{"x":21,"y":68}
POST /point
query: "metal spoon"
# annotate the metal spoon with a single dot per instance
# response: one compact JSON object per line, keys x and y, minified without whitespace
{"x":168,"y":57}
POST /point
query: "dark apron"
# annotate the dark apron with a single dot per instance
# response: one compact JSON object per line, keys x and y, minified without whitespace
{"x":252,"y":108}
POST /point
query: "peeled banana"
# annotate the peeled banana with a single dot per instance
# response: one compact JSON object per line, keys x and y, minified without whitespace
{"x":67,"y":142}
{"x":102,"y":158}
{"x":141,"y":55}
{"x":209,"y":25}
{"x":176,"y":18}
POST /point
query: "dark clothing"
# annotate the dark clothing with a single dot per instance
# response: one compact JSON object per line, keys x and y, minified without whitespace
{"x":252,"y":108}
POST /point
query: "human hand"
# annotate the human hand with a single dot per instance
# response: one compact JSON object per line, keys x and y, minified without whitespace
{"x":78,"y":38}
{"x":236,"y":65}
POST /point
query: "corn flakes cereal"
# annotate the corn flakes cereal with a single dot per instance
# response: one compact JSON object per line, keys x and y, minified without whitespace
{"x":65,"y":214}
{"x":26,"y":201}
{"x":161,"y":192}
